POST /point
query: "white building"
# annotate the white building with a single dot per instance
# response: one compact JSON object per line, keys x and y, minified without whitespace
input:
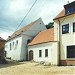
{"x":64,"y":26}
{"x":16,"y":45}
{"x":44,"y":48}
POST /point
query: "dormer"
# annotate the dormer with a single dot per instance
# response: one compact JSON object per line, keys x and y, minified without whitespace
{"x":69,"y":8}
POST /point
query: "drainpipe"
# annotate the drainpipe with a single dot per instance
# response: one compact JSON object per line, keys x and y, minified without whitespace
{"x":59,"y":42}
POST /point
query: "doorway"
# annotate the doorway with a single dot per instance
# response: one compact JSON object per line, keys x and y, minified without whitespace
{"x":30,"y":55}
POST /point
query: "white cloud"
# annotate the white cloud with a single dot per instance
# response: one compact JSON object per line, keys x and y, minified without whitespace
{"x":17,"y":9}
{"x":5,"y":35}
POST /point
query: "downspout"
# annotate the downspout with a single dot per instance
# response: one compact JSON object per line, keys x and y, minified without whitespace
{"x":59,"y":42}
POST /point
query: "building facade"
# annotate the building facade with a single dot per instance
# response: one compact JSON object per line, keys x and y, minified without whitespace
{"x":44,"y":48}
{"x":16,"y":45}
{"x":64,"y":26}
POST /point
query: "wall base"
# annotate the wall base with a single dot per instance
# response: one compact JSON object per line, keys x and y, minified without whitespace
{"x":67,"y":62}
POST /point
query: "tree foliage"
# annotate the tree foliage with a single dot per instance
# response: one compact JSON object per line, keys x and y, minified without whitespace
{"x":50,"y":25}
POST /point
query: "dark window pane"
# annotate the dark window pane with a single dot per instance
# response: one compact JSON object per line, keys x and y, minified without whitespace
{"x":46,"y":52}
{"x":70,"y":51}
{"x":40,"y":53}
{"x":65,"y":29}
{"x":70,"y":10}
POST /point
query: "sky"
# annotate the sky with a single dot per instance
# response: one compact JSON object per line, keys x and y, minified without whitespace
{"x":13,"y":11}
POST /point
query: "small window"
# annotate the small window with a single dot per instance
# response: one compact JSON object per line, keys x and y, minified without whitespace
{"x":17,"y":41}
{"x":16,"y":45}
{"x":10,"y":46}
{"x":46,"y":52}
{"x":13,"y":44}
{"x":65,"y":29}
{"x":40,"y":53}
{"x":74,"y":27}
{"x":70,"y":10}
{"x":71,"y":51}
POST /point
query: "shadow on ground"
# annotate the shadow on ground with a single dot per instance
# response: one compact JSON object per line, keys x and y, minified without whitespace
{"x":11,"y":63}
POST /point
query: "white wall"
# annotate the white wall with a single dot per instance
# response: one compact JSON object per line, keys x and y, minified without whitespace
{"x":56,"y":30}
{"x":21,"y":52}
{"x":66,"y":39}
{"x":24,"y":48}
{"x":35,"y":28}
{"x":52,"y":52}
{"x":14,"y":53}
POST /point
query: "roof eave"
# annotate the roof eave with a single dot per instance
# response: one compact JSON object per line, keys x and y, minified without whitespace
{"x":64,"y":16}
{"x":42,"y":43}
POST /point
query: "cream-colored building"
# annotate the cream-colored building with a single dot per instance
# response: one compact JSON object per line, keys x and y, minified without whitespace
{"x":64,"y":28}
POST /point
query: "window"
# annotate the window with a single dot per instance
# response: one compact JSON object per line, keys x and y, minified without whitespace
{"x":70,"y":10}
{"x":74,"y":27}
{"x":46,"y":52}
{"x":17,"y":42}
{"x":71,"y":51}
{"x":16,"y":45}
{"x":40,"y":53}
{"x":13,"y":44}
{"x":65,"y":29}
{"x":10,"y":46}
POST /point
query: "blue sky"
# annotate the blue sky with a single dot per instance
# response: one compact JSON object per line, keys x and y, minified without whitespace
{"x":13,"y":11}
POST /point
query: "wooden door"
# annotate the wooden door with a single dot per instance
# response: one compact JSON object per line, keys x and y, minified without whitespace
{"x":30,"y":55}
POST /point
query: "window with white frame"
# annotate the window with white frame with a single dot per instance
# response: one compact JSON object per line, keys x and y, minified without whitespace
{"x":65,"y":29}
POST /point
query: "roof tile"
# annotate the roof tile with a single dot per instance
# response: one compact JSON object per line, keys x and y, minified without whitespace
{"x":43,"y":36}
{"x":61,"y":14}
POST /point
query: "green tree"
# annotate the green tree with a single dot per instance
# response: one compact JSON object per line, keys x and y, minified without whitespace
{"x":50,"y":25}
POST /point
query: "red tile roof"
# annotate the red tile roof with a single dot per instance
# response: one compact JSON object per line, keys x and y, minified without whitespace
{"x":61,"y":14}
{"x":43,"y":36}
{"x":21,"y":31}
